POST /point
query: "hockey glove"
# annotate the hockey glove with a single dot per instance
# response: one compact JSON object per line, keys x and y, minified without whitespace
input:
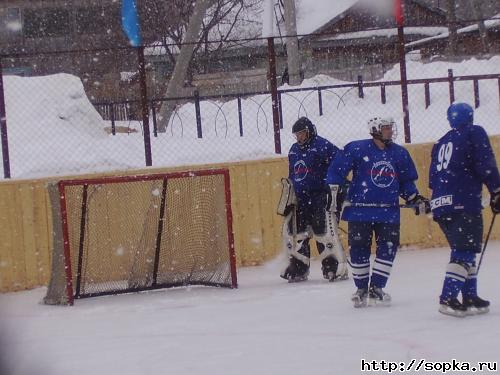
{"x":331,"y":203}
{"x":495,"y":202}
{"x":420,"y":203}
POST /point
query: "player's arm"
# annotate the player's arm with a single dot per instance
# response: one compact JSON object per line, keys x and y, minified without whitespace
{"x":407,"y":188}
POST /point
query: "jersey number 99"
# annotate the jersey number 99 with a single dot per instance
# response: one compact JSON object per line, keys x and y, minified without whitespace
{"x":444,"y":156}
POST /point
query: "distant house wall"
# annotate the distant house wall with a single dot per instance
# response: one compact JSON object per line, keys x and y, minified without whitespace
{"x":469,"y":44}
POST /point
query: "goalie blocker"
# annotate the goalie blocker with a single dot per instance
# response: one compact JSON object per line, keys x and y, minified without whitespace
{"x":303,"y":223}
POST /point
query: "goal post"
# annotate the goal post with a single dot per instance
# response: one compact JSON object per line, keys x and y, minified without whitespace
{"x":133,"y":233}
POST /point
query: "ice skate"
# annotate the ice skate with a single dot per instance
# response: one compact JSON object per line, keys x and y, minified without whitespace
{"x":453,"y":307}
{"x":475,"y":305}
{"x":359,"y":298}
{"x":296,"y":271}
{"x":377,"y":297}
{"x":329,"y":269}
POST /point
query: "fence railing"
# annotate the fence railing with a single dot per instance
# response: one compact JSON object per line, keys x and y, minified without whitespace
{"x":213,"y":128}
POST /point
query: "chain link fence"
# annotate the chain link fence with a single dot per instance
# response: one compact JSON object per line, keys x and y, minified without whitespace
{"x":92,"y":120}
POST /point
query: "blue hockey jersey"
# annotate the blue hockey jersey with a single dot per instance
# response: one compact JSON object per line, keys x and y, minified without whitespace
{"x":462,"y":160}
{"x":308,"y":164}
{"x":379,"y":178}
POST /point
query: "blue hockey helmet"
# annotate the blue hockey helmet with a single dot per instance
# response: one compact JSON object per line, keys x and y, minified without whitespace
{"x":460,"y":114}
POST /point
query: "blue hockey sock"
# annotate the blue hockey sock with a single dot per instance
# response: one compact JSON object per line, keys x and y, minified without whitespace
{"x":380,"y":272}
{"x":456,"y":274}
{"x":360,"y":266}
{"x":470,"y":286}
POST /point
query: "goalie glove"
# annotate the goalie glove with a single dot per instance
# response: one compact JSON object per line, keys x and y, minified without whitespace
{"x":420,"y":203}
{"x":333,"y":191}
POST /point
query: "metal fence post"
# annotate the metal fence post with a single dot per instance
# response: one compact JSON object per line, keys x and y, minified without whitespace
{"x":451,"y":85}
{"x":240,"y":117}
{"x":320,"y":102}
{"x":404,"y":84}
{"x":476,"y":93}
{"x":361,"y":94}
{"x":427,"y":90}
{"x":274,"y":94}
{"x":112,"y":116}
{"x":153,"y":113}
{"x":3,"y":128}
{"x":197,"y":109}
{"x":144,"y":105}
{"x":383,"y":97}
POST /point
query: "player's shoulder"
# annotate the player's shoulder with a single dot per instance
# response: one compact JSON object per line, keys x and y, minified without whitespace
{"x":322,"y":142}
{"x":294,"y":149}
{"x":477,"y":131}
{"x":398,"y":150}
{"x":358,"y":145}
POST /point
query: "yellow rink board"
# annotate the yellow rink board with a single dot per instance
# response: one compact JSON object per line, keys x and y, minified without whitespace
{"x":26,"y":223}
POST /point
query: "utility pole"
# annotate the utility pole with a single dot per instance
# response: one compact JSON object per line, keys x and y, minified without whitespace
{"x":452,"y":27}
{"x":483,"y":33}
{"x":292,"y":43}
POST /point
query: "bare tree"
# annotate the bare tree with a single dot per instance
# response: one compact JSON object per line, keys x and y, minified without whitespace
{"x":188,"y":41}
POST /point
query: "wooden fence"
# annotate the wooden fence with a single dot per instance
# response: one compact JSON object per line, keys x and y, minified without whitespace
{"x":26,"y":223}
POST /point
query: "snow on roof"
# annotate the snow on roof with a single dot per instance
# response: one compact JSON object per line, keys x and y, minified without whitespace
{"x":429,"y":31}
{"x":311,"y":15}
{"x":489,"y":24}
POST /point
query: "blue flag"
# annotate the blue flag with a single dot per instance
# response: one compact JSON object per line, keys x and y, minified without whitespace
{"x":130,"y":22}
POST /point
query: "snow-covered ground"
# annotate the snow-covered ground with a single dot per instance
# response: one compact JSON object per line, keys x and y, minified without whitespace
{"x":54,"y":130}
{"x":265,"y":327}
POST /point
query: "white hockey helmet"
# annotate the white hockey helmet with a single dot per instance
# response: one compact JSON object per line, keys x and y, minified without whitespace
{"x":375,"y":125}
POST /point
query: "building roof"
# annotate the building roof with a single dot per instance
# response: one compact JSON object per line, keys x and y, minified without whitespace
{"x":492,"y":23}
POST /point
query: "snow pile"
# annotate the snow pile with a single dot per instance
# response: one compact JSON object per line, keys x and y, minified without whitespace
{"x":56,"y":102}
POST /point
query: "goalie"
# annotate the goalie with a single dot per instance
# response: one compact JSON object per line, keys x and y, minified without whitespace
{"x":307,"y":207}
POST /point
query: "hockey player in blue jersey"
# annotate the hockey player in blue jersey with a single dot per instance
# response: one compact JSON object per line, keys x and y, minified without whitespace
{"x":382,"y":171}
{"x":306,"y":214}
{"x":462,"y":161}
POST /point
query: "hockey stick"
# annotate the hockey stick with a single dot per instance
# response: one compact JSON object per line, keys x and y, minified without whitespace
{"x":486,"y":243}
{"x":379,"y":205}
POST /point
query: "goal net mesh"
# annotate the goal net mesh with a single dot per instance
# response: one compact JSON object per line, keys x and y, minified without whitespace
{"x":137,"y":233}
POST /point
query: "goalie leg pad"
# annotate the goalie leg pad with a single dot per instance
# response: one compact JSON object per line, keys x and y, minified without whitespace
{"x":288,"y":200}
{"x":296,"y":270}
{"x":332,"y":247}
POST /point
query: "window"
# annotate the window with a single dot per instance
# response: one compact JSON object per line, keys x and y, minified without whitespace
{"x":90,"y":21}
{"x":50,"y":22}
{"x":10,"y":23}
{"x":98,"y":20}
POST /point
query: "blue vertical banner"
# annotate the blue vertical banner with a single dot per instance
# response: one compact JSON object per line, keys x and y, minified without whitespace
{"x":130,"y":22}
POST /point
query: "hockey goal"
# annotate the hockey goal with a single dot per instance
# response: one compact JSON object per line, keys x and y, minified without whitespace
{"x":127,"y":234}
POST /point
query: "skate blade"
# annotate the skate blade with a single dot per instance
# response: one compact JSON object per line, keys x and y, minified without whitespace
{"x":336,"y":278}
{"x":297,"y":279}
{"x":477,"y":310}
{"x":446,"y":310}
{"x":358,"y":302}
{"x":377,"y":302}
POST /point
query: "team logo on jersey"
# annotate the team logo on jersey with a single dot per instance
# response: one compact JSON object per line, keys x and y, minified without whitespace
{"x":382,"y":174}
{"x":445,"y":200}
{"x":300,"y":170}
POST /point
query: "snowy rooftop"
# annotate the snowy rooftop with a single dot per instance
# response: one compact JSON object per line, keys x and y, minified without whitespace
{"x":380,"y":33}
{"x":491,"y":23}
